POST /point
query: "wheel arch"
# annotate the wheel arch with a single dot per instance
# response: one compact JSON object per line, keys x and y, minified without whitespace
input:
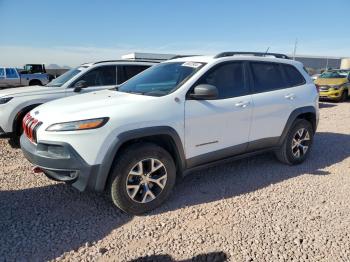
{"x":308,"y":113}
{"x":163,"y":136}
{"x":34,"y":81}
{"x":16,"y":125}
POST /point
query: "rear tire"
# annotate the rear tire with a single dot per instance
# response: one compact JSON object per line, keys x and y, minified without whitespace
{"x":142,"y":178}
{"x":297,"y":144}
{"x":345,"y":95}
{"x":35,"y":83}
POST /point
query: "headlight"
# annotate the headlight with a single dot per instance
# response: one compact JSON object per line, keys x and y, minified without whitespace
{"x":336,"y":87}
{"x":79,"y":125}
{"x":5,"y":100}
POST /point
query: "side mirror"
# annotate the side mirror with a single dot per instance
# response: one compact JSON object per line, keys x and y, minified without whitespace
{"x":80,"y":85}
{"x":204,"y":92}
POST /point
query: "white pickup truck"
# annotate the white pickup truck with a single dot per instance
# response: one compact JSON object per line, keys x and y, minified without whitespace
{"x":10,"y":77}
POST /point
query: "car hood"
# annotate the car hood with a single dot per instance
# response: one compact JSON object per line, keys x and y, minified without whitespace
{"x":28,"y":90}
{"x":88,"y":106}
{"x":331,"y":81}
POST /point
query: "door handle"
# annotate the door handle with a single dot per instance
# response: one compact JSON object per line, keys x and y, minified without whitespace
{"x":242,"y":104}
{"x":290,"y":96}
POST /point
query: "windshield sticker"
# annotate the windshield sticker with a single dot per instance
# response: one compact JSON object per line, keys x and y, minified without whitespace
{"x":192,"y":64}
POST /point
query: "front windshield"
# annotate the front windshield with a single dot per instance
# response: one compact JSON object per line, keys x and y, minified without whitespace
{"x":59,"y":81}
{"x":161,"y":79}
{"x":333,"y":74}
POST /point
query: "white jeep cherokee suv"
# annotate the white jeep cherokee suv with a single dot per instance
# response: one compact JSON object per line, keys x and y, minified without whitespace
{"x":135,"y":141}
{"x":16,"y":103}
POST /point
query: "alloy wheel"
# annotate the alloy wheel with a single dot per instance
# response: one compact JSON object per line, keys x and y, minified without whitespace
{"x":146,"y":180}
{"x":300,"y":142}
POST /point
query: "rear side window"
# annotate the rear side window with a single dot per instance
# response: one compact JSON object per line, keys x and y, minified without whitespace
{"x":11,"y":73}
{"x":2,"y":73}
{"x":129,"y":71}
{"x":267,"y":76}
{"x":294,"y":78}
{"x":228,"y":78}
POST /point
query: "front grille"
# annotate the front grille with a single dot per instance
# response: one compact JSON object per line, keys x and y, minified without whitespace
{"x":30,"y":127}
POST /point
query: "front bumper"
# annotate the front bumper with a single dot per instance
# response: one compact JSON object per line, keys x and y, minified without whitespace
{"x":331,"y":94}
{"x":61,"y":162}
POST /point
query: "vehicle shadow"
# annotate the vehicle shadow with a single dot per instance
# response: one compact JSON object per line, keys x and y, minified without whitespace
{"x":244,"y":176}
{"x":40,"y":224}
{"x":214,"y":256}
{"x":45,"y":222}
{"x":326,"y":105}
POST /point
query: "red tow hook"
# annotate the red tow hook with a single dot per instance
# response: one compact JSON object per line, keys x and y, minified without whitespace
{"x":37,"y":170}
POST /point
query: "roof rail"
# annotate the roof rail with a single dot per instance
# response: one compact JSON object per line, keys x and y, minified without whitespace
{"x":225,"y":54}
{"x":181,"y":56}
{"x":129,"y":60}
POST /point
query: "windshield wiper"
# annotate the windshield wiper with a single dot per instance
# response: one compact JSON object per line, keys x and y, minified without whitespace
{"x":54,"y":85}
{"x":131,"y":92}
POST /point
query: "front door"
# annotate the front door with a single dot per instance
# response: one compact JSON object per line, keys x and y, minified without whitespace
{"x":219,"y":128}
{"x":100,"y":78}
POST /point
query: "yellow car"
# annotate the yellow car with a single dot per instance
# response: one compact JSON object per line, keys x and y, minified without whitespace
{"x":334,"y":85}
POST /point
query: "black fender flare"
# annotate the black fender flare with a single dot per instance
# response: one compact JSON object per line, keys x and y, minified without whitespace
{"x":107,"y":163}
{"x":293,"y":116}
{"x":20,"y":114}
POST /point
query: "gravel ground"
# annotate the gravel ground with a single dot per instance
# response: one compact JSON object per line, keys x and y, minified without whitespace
{"x":251,"y":210}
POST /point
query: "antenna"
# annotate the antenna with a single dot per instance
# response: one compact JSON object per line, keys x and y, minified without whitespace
{"x":267,"y":50}
{"x":295,"y":48}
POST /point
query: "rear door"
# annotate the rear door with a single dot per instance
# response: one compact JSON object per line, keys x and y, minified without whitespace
{"x":219,"y":128}
{"x":125,"y":72}
{"x":274,"y":100}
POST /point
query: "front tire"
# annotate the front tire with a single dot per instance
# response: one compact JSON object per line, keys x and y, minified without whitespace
{"x":343,"y":97}
{"x":142,"y":178}
{"x":297,"y":144}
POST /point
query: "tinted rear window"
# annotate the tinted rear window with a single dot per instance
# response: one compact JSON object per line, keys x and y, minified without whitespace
{"x":131,"y":71}
{"x":294,"y":78}
{"x":267,"y":76}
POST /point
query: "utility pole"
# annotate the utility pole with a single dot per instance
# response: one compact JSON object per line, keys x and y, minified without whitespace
{"x":295,"y":48}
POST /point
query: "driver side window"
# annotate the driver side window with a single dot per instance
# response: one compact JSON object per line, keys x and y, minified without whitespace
{"x":101,"y":76}
{"x":228,"y":78}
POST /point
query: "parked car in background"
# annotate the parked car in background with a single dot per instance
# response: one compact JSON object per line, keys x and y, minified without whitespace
{"x":15,"y":103}
{"x":134,"y":141}
{"x":35,"y":69}
{"x":315,"y":76}
{"x":334,"y":84}
{"x":11,"y":77}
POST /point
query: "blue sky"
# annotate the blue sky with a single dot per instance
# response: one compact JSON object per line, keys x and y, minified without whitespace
{"x":69,"y":32}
